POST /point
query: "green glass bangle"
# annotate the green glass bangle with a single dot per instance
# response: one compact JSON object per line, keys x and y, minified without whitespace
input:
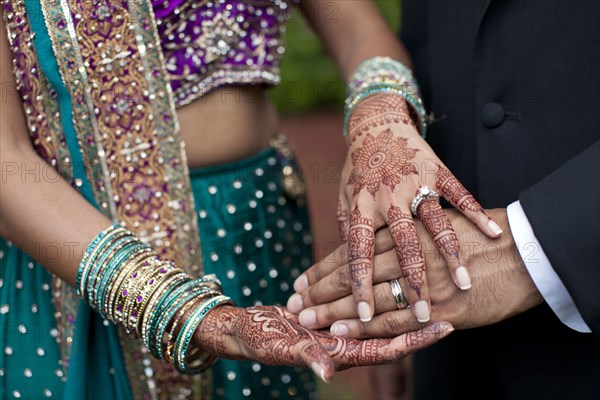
{"x":155,"y":305}
{"x":187,"y":331}
{"x":90,"y":252}
{"x":99,"y":267}
{"x":192,"y":293}
{"x":100,"y":249}
{"x":173,"y":301}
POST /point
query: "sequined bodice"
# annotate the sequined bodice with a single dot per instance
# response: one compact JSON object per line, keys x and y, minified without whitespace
{"x":207,"y":44}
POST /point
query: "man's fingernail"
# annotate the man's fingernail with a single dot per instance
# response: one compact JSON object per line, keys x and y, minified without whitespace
{"x":295,"y":304}
{"x":319,"y":371}
{"x":308,"y":318}
{"x":338,"y":329}
{"x":364,"y":311}
{"x":422,"y":311}
{"x":462,"y":278}
{"x":494,"y":227}
{"x":301,"y":283}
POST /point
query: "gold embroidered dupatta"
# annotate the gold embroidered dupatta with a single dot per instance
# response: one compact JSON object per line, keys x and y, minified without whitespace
{"x":110,"y":62}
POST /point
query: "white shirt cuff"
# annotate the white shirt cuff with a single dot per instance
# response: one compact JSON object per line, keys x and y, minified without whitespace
{"x":543,"y":275}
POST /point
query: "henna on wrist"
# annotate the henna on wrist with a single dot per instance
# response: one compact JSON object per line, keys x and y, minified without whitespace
{"x":378,"y":110}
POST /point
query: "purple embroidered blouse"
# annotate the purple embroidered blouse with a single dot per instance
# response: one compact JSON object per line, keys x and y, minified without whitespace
{"x":208,"y":44}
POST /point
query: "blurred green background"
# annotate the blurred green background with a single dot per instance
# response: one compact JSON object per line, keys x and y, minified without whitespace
{"x":310,"y":80}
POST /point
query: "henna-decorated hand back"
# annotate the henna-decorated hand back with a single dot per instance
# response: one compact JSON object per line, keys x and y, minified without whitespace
{"x":387,"y":163}
{"x":273,"y":336}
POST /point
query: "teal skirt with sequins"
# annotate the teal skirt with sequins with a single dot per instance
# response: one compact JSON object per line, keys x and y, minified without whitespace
{"x":254,"y":237}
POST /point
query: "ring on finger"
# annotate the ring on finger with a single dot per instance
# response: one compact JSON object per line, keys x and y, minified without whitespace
{"x":424,"y":193}
{"x":398,"y":294}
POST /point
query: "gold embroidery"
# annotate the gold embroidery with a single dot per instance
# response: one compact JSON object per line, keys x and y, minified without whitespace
{"x":110,"y":62}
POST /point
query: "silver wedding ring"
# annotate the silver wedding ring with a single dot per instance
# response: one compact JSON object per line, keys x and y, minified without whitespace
{"x":424,"y":193}
{"x":398,"y":294}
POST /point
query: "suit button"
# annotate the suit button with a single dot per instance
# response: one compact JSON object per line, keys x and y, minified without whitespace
{"x":492,"y":115}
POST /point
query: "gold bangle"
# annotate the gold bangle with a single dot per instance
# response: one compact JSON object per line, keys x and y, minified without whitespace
{"x":132,"y":290}
{"x":149,"y":312}
{"x":109,"y":304}
{"x":125,"y":287}
{"x":151,"y":284}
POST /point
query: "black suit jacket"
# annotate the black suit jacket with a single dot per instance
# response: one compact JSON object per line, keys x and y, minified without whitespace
{"x":515,"y":85}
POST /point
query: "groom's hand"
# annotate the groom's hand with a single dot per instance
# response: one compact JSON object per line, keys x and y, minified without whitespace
{"x":501,"y":286}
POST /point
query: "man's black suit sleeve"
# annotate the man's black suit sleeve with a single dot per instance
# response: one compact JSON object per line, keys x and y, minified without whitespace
{"x":564,"y":212}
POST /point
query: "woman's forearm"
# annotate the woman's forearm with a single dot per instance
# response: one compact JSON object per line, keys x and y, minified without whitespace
{"x":43,"y":215}
{"x":352,"y":32}
{"x":39,"y":211}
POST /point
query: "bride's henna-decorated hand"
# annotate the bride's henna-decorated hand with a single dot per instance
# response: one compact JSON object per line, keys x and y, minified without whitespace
{"x":501,"y":286}
{"x":387,"y":163}
{"x":273,"y":336}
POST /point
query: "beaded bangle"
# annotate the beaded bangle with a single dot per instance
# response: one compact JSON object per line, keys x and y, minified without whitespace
{"x":187,"y":331}
{"x":120,"y":297}
{"x":108,"y":285}
{"x":134,"y":289}
{"x":150,"y":284}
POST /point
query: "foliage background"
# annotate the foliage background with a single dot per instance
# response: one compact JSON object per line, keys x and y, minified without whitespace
{"x":310,"y":80}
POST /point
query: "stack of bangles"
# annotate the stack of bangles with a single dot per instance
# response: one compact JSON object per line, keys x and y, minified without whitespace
{"x":384,"y":75}
{"x":126,"y":282}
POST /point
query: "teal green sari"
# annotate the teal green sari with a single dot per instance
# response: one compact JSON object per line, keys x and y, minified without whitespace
{"x":256,"y":237}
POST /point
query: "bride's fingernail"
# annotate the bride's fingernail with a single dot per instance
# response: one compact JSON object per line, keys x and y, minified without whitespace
{"x":319,"y":371}
{"x":301,"y":283}
{"x":462,"y":278}
{"x":308,"y":318}
{"x":422,"y":311}
{"x":364,"y":311}
{"x":339,"y":329}
{"x":494,"y":227}
{"x":295,"y":304}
